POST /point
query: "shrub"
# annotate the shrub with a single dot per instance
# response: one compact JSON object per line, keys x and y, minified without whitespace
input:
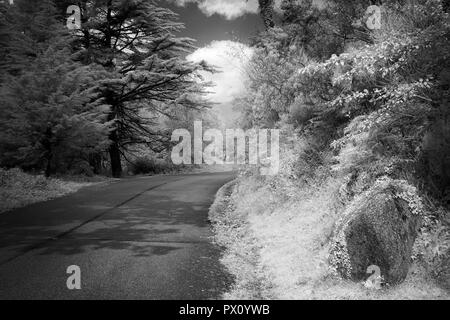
{"x":147,"y":165}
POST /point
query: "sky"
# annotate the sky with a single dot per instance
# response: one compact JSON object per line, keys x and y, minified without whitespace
{"x":222,"y":29}
{"x":214,"y":20}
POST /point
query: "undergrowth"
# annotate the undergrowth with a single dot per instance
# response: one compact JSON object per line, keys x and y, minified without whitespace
{"x":277,"y":236}
{"x":18,"y":189}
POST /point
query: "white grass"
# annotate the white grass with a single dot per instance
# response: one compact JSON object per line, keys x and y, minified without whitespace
{"x":285,"y":240}
{"x":18,"y":189}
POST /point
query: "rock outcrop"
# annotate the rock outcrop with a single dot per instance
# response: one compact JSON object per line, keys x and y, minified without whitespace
{"x":378,"y":228}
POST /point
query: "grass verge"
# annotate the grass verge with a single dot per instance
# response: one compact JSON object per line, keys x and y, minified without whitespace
{"x":241,"y":256}
{"x":18,"y":189}
{"x":277,"y":243}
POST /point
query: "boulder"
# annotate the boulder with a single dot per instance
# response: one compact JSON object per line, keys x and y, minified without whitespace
{"x":378,"y":228}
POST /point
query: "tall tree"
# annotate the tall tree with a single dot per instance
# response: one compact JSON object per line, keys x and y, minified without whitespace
{"x":135,"y":42}
{"x":26,"y":27}
{"x":50,"y":116}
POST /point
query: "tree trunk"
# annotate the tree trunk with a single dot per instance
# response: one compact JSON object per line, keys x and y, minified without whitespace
{"x":114,"y":149}
{"x":114,"y":154}
{"x":116,"y":165}
{"x":95,"y":160}
{"x":48,"y":169}
{"x":47,"y":143}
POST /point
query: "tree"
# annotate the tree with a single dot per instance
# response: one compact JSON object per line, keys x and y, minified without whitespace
{"x":50,"y":117}
{"x":26,"y":27}
{"x":135,"y":42}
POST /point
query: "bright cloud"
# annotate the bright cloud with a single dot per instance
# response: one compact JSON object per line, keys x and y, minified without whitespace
{"x":229,"y":58}
{"x":230,"y":9}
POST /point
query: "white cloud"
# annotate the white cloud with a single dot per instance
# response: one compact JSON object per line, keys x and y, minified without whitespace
{"x":230,"y":9}
{"x":229,"y":58}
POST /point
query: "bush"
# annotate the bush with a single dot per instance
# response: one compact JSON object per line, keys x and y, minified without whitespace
{"x":147,"y":165}
{"x":82,"y":168}
{"x":300,"y":113}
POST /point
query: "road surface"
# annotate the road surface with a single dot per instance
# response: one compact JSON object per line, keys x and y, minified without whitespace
{"x":140,"y":238}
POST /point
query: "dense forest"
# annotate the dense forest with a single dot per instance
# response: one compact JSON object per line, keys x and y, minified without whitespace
{"x":361,"y":101}
{"x":83,"y":99}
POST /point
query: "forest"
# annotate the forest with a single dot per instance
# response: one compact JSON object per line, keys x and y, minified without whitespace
{"x":362,"y":106}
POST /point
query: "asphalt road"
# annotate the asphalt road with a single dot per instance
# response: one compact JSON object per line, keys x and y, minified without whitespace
{"x":140,"y":238}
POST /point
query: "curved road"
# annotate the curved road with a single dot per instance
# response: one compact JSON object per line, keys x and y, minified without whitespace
{"x":140,"y":238}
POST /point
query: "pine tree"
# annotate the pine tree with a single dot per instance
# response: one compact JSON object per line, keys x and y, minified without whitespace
{"x":50,"y":116}
{"x":135,"y":42}
{"x":26,"y":27}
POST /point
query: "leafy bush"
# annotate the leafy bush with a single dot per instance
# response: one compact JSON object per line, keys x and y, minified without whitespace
{"x":432,"y":248}
{"x":148,"y":165}
{"x":373,"y":107}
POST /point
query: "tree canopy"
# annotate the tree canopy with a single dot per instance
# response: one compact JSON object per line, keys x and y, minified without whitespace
{"x":113,"y":78}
